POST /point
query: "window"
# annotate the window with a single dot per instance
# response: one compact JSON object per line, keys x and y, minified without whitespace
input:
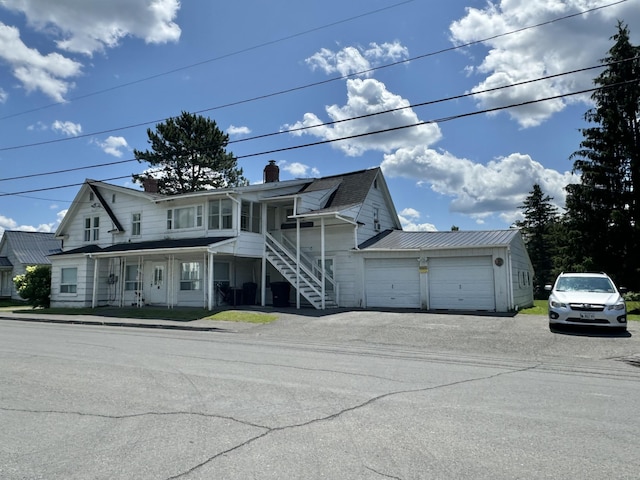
{"x":132,"y":278}
{"x":91,"y":229}
{"x":113,"y":198}
{"x":68,"y":280}
{"x":190,"y":276}
{"x":187,"y":217}
{"x":250,"y":218}
{"x":376,"y":219}
{"x":136,"y":219}
{"x":220,"y":214}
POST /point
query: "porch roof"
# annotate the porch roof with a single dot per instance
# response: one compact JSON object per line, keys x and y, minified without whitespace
{"x":152,"y":246}
{"x":5,"y":262}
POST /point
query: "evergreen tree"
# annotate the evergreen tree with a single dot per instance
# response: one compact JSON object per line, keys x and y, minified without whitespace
{"x":604,"y":208}
{"x":188,"y":154}
{"x":540,"y":216}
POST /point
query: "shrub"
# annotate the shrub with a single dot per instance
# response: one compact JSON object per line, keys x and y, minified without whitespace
{"x":35,"y":285}
{"x":632,"y":296}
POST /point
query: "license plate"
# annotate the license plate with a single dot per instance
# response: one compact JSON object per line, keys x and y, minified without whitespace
{"x":588,"y":316}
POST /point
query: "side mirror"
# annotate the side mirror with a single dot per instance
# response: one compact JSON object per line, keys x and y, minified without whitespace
{"x":548,"y":288}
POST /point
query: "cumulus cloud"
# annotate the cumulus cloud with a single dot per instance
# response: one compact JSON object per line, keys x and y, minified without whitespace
{"x":113,"y":146}
{"x":8,"y":223}
{"x":550,"y":49}
{"x":299,"y":170}
{"x":478,"y":190}
{"x":408,"y":219}
{"x":79,"y":28}
{"x":366,"y":97}
{"x":237,"y":131}
{"x":3,"y":96}
{"x":352,"y":60}
{"x":67,"y":128}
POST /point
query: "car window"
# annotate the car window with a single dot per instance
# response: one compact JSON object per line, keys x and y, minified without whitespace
{"x":584,"y":284}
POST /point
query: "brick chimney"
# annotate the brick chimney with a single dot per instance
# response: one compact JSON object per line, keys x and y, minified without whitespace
{"x":271,"y":172}
{"x":150,"y":185}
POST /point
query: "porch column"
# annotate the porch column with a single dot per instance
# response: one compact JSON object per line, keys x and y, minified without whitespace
{"x":94,"y":293}
{"x":263,"y":274}
{"x":210,"y":289}
{"x":297,"y":262}
{"x":322,"y":261}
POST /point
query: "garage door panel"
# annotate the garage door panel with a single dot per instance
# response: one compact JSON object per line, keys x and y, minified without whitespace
{"x":392,"y":283}
{"x":461,"y":283}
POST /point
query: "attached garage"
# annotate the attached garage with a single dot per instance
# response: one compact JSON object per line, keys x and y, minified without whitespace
{"x":461,"y":283}
{"x":470,"y":271}
{"x":392,"y":282}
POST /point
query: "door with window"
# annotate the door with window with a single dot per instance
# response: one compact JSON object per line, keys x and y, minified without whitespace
{"x":157,"y":284}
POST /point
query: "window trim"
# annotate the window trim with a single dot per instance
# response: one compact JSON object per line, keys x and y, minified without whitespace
{"x":69,"y":287}
{"x":196,"y":214}
{"x":136,"y":232}
{"x":193,"y":282}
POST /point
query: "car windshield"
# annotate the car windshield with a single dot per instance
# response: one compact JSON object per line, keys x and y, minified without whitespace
{"x":584,"y":284}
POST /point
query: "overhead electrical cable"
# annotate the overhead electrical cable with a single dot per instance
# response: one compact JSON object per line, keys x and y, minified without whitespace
{"x":349,"y":137}
{"x":315,"y":84}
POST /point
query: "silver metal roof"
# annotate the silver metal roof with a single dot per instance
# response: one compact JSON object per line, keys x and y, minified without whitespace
{"x":32,"y":248}
{"x":402,"y":240}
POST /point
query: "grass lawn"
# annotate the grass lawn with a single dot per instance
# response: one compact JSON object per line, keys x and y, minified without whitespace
{"x":540,"y":308}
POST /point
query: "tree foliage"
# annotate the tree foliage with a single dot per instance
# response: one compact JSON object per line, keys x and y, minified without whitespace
{"x":538,"y":227}
{"x":188,"y":154}
{"x":35,"y":285}
{"x":603,"y":210}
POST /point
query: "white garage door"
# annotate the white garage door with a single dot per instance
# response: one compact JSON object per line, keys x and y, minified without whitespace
{"x":392,"y":283}
{"x":461,"y":283}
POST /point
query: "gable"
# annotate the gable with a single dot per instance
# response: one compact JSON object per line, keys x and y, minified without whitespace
{"x":30,"y":248}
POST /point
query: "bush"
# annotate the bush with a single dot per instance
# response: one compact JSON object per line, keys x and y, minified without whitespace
{"x":632,"y":296}
{"x":35,"y":285}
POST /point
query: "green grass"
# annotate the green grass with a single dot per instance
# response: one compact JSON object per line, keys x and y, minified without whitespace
{"x":241,"y":316}
{"x":540,"y":308}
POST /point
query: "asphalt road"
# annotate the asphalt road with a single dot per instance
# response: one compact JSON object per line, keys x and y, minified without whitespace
{"x":351,"y":395}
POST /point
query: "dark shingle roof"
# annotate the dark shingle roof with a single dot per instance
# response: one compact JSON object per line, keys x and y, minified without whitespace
{"x":352,"y":188}
{"x":4,"y":262}
{"x":402,"y":240}
{"x":32,"y":248}
{"x":150,"y":245}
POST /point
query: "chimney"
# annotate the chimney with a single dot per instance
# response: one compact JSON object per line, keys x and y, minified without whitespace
{"x":271,"y":172}
{"x":150,"y":185}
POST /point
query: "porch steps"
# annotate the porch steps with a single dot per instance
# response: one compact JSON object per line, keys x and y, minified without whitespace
{"x":284,"y":261}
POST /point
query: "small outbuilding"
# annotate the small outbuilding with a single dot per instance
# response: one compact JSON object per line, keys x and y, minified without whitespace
{"x":456,"y":270}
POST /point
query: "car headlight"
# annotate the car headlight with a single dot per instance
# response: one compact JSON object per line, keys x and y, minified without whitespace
{"x":617,"y":306}
{"x":556,"y":304}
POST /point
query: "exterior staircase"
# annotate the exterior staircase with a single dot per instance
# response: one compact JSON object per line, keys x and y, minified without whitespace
{"x":283,"y":258}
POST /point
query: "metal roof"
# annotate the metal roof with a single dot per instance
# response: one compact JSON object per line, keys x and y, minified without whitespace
{"x":402,"y":240}
{"x":5,"y":262}
{"x":31,"y":248}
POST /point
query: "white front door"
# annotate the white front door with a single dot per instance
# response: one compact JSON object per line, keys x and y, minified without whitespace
{"x":157,"y":284}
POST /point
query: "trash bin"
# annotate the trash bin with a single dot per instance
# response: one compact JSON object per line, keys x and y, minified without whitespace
{"x":280,"y":293}
{"x":249,"y":290}
{"x":236,"y":296}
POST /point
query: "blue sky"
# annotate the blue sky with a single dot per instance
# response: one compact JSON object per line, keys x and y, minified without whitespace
{"x":80,"y":83}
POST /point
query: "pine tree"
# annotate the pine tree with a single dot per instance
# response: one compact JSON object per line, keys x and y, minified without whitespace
{"x":605,"y":206}
{"x":540,"y":216}
{"x":188,"y":154}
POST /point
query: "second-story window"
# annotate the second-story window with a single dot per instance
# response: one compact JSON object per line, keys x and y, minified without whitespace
{"x":186,"y":217}
{"x":91,"y":229}
{"x":220,"y":214}
{"x":250,"y":218}
{"x":136,"y":224}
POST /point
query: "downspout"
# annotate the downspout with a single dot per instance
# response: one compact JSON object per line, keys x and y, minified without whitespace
{"x":238,"y":212}
{"x":263,"y":274}
{"x":298,"y":263}
{"x":322,"y":261}
{"x":94,"y":293}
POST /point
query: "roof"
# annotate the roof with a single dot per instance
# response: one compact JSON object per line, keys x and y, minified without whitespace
{"x":402,"y":240}
{"x":31,"y":248}
{"x":5,"y":262}
{"x":352,"y":188}
{"x":150,"y":245}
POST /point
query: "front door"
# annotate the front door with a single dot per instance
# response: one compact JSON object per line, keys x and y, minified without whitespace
{"x":158,"y":285}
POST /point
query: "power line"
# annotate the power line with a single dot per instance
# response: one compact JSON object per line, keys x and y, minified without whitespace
{"x":377,"y":132}
{"x":214,"y":59}
{"x":315,"y":84}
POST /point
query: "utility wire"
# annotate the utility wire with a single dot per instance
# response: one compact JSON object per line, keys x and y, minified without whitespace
{"x":377,"y":132}
{"x":315,"y":84}
{"x":214,"y":59}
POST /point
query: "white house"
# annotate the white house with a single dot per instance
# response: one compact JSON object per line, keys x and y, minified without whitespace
{"x":325,"y":242}
{"x":19,"y":250}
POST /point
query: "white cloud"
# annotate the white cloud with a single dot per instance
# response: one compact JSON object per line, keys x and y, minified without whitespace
{"x":38,"y":126}
{"x":233,"y":130}
{"x":478,"y":190}
{"x":550,"y":49}
{"x":79,"y":27}
{"x":408,"y":218}
{"x":113,"y":146}
{"x":67,"y":128}
{"x":299,"y":170}
{"x":350,"y":60}
{"x":365,"y":97}
{"x":7,"y":223}
{"x":3,"y":96}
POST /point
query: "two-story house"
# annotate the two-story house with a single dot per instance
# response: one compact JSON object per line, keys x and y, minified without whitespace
{"x":304,"y":241}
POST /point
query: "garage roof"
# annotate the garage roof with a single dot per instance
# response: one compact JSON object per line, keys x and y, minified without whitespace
{"x":402,"y":240}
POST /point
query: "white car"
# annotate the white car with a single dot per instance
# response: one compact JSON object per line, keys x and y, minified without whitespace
{"x":587,"y":299}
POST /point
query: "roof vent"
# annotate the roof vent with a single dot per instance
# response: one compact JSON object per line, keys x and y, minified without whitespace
{"x":271,"y":172}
